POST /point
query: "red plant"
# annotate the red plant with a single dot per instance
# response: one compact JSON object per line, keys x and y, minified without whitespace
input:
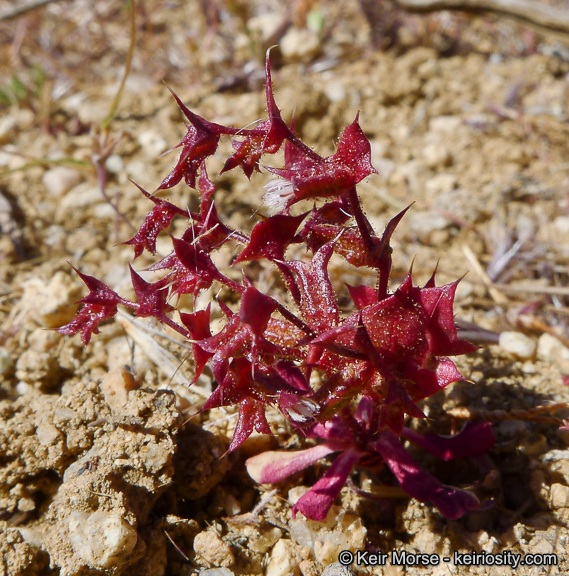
{"x":373,"y":365}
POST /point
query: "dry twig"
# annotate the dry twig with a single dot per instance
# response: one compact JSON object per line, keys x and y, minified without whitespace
{"x":530,"y":11}
{"x":15,"y":11}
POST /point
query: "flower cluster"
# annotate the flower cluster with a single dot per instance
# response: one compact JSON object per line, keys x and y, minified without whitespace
{"x":348,"y":380}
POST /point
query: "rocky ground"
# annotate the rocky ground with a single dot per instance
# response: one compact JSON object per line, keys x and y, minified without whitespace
{"x":103,"y":468}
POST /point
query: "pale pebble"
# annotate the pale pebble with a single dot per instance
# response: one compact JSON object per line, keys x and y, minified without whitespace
{"x":23,"y":388}
{"x":440,"y":184}
{"x":59,"y":180}
{"x":31,"y":536}
{"x":104,"y":211}
{"x":81,"y":196}
{"x":265,"y":540}
{"x":26,"y":505}
{"x":559,"y":496}
{"x":6,"y":363}
{"x":50,"y":304}
{"x":285,"y":559}
{"x":216,"y":572}
{"x":114,"y":164}
{"x":7,"y":125}
{"x":265,"y":25}
{"x":48,"y":434}
{"x":435,"y":154}
{"x":337,"y":569}
{"x":518,"y":344}
{"x":44,"y":340}
{"x":300,"y":44}
{"x":115,"y":387}
{"x":101,"y":539}
{"x":152,"y":143}
{"x":335,"y":91}
{"x":550,"y":348}
{"x":445,"y":124}
{"x":211,"y":548}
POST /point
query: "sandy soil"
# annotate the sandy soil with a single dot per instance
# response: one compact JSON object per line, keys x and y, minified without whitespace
{"x":102,"y":471}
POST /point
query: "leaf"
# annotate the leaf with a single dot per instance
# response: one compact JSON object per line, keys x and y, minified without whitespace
{"x":251,"y":417}
{"x":270,"y":238}
{"x":316,"y":503}
{"x":331,"y":176}
{"x":256,"y":310}
{"x":266,"y":138}
{"x":438,"y":304}
{"x":157,"y":220}
{"x":317,"y":298}
{"x":272,"y":467}
{"x":98,"y":305}
{"x":199,"y":143}
{"x":475,"y":438}
{"x":87,"y":321}
{"x":198,"y":324}
{"x":151,"y":297}
{"x":418,"y":483}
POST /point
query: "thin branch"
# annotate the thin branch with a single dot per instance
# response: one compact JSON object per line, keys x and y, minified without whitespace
{"x":14,"y":12}
{"x":128,"y":64}
{"x":530,"y":11}
{"x":533,"y":289}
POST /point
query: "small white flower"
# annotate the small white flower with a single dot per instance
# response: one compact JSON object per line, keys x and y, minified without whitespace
{"x":279,"y":192}
{"x":303,"y":411}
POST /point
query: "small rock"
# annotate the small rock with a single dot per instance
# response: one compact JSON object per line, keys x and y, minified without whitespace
{"x":38,"y":367}
{"x":152,"y":143}
{"x":31,"y":536}
{"x":216,"y":572}
{"x":337,"y":569}
{"x":424,"y":224}
{"x":440,"y":184}
{"x":300,"y":45}
{"x":59,"y":180}
{"x":92,"y":112}
{"x":231,"y":505}
{"x":445,"y":124}
{"x":296,"y":493}
{"x":6,"y":363}
{"x":26,"y":505}
{"x":81,"y":196}
{"x":562,"y":224}
{"x":285,"y":559}
{"x":211,"y":548}
{"x":48,"y":434}
{"x":44,"y":340}
{"x":550,"y":348}
{"x":115,"y":387}
{"x":518,"y":345}
{"x":435,"y":154}
{"x":7,"y":125}
{"x":539,"y":544}
{"x":265,"y":25}
{"x":556,"y":456}
{"x":114,"y":164}
{"x":101,"y":539}
{"x":335,"y":91}
{"x":120,"y":355}
{"x":266,"y":540}
{"x":105,"y":210}
{"x":559,"y":497}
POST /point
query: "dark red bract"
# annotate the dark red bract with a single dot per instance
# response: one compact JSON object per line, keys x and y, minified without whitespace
{"x":350,"y":380}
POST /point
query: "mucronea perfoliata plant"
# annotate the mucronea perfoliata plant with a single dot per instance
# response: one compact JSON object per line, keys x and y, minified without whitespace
{"x":373,"y":364}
